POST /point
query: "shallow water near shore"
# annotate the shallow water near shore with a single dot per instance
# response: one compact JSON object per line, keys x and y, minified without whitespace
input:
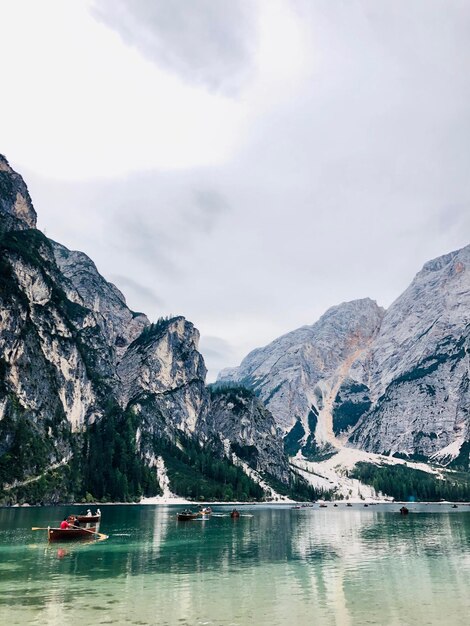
{"x":274,"y":565}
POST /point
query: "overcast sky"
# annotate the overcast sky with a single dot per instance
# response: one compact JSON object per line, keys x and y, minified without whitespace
{"x":244,"y":163}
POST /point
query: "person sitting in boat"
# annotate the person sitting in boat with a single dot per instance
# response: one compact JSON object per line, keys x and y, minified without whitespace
{"x":89,"y":513}
{"x":64,"y":525}
{"x":98,"y":512}
{"x":76,"y":522}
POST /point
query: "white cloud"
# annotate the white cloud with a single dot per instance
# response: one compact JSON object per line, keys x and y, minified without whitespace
{"x":79,"y":103}
{"x":334,"y":170}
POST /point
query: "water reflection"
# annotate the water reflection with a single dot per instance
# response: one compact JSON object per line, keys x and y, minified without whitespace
{"x":332,"y":566}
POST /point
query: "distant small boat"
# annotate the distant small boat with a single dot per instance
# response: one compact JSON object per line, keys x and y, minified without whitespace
{"x":296,"y":507}
{"x":404,"y":510}
{"x":235,"y":514}
{"x":348,"y":504}
{"x":366,"y":505}
{"x":335,"y":504}
{"x":205,"y":511}
{"x":86,"y":519}
{"x":323,"y":506}
{"x":71,"y":534}
{"x":186,"y":515}
{"x":454,"y":506}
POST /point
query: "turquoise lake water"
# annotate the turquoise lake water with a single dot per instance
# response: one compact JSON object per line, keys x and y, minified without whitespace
{"x":274,"y":565}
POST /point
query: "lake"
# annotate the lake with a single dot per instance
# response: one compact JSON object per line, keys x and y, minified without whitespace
{"x":274,"y":565}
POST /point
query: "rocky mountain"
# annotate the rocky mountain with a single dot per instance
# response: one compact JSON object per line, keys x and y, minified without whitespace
{"x":91,"y":392}
{"x":98,"y":402}
{"x":391,"y":382}
{"x":298,"y":375}
{"x":418,"y":373}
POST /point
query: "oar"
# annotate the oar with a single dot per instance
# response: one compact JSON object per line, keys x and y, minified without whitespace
{"x":101,"y":536}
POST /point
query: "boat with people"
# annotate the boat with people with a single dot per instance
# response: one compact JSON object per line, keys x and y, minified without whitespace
{"x":71,"y":534}
{"x":186,"y":515}
{"x":235,"y":514}
{"x":404,"y":510}
{"x":88,"y":517}
{"x":204,"y":511}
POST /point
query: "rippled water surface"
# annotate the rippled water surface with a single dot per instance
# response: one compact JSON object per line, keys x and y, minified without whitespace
{"x":272,"y":566}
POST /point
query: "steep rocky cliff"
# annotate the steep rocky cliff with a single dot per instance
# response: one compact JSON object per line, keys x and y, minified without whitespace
{"x":394,"y":382}
{"x":91,"y":391}
{"x":70,"y":347}
{"x":162,"y":375}
{"x":248,"y":430}
{"x":16,"y":208}
{"x":419,"y":366}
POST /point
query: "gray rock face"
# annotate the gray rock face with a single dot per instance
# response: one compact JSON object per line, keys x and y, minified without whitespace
{"x":16,"y":207}
{"x":241,"y":422}
{"x":394,"y":382}
{"x":419,"y":366}
{"x":117,"y":322}
{"x":162,"y":374}
{"x":295,"y":374}
{"x":52,"y":356}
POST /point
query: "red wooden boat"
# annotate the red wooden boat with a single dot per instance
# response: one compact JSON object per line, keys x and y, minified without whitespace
{"x":234,"y":514}
{"x":71,"y":534}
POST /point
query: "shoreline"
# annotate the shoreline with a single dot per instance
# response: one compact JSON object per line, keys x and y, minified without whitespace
{"x":161,"y":501}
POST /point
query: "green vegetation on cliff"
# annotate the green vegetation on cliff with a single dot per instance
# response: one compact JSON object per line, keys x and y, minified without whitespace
{"x":112,"y":468}
{"x":198,"y":474}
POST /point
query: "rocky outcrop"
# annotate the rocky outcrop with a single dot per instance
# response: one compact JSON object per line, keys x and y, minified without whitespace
{"x":16,"y":208}
{"x":118,"y":324}
{"x":248,"y":430}
{"x":162,"y":375}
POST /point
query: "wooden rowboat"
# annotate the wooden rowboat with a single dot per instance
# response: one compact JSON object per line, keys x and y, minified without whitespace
{"x":205,"y":511}
{"x":71,"y":534}
{"x":185,"y":516}
{"x":87,"y":519}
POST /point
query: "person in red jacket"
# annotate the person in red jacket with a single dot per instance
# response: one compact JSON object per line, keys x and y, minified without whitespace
{"x":64,"y":525}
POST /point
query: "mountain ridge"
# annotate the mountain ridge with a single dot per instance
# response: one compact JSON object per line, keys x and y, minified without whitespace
{"x":97,"y":402}
{"x":92,"y":394}
{"x":430,"y":317}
